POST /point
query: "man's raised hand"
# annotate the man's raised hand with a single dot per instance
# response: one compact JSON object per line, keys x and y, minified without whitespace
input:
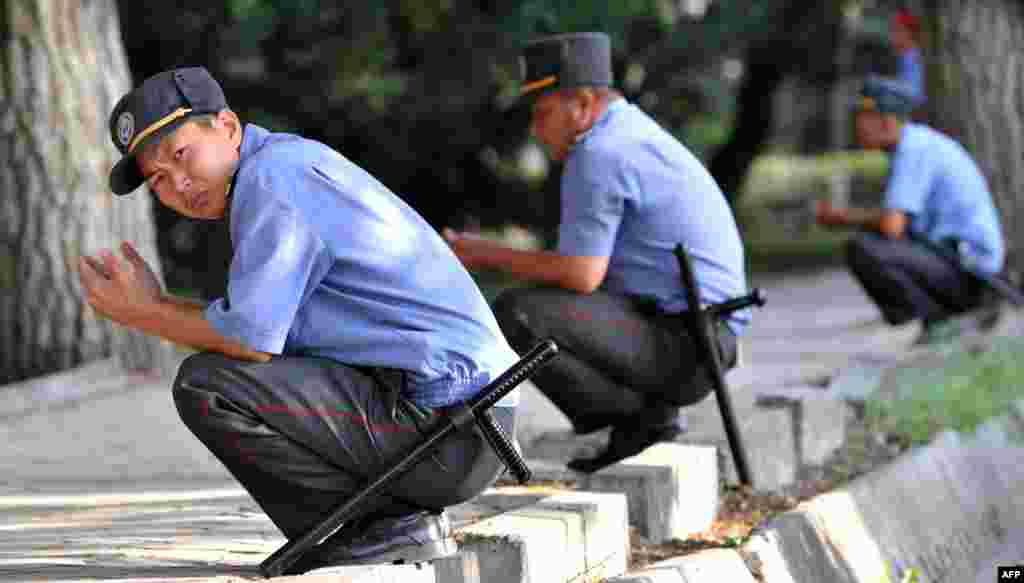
{"x":123,"y":291}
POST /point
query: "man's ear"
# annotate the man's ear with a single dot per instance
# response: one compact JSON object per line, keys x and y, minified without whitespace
{"x":230,"y":122}
{"x":582,"y":105}
{"x":892,"y":125}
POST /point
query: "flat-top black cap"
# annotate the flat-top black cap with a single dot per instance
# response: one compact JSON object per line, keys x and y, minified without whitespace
{"x":153,"y":109}
{"x":565,"y":60}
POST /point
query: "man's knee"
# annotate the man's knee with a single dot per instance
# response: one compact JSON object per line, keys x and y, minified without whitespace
{"x":512,"y":311}
{"x":192,"y":386}
{"x":864,"y":251}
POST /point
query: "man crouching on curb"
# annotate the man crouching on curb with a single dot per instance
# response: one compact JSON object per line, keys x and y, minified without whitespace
{"x":935,"y":196}
{"x":610,"y":294}
{"x":347,"y":328}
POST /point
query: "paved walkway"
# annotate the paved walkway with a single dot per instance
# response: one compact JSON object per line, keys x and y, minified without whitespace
{"x":114,"y":487}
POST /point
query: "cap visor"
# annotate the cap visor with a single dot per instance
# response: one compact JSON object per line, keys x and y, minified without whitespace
{"x":125,"y":176}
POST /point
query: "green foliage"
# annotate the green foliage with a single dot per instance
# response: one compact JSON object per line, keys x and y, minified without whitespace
{"x":248,"y":9}
{"x":780,"y":177}
{"x":425,"y":15}
{"x":704,"y":133}
{"x":729,"y":21}
{"x":968,"y":389}
{"x":531,"y":18}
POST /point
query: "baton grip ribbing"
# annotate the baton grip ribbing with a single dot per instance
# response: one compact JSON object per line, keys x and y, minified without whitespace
{"x":502,"y":446}
{"x":522,"y":370}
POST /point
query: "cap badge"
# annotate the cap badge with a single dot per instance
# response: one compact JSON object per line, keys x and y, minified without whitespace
{"x":125,"y":128}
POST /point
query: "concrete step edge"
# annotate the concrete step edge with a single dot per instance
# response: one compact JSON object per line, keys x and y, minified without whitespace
{"x":885,"y":525}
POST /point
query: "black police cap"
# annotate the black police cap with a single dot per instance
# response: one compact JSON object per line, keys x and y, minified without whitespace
{"x":565,"y":60}
{"x":153,"y":109}
{"x":887,"y":95}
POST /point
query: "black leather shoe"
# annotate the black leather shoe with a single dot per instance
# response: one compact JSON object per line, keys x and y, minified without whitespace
{"x":414,"y":538}
{"x":626,"y":442}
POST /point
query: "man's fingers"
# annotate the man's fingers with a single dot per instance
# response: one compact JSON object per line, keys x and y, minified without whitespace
{"x":91,"y":268}
{"x":130,"y":253}
{"x":91,"y":277}
{"x":110,"y":263}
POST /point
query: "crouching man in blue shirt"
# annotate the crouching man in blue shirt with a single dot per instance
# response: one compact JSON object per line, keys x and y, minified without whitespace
{"x":610,"y":295}
{"x":935,"y":195}
{"x":347,"y":328}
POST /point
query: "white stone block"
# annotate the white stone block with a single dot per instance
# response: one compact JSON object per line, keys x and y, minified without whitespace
{"x":560,"y":538}
{"x":671,"y":488}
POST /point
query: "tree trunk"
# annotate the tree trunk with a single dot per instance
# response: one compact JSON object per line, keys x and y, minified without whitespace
{"x":804,"y":41}
{"x":975,"y":94}
{"x":754,"y":122}
{"x":63,"y":68}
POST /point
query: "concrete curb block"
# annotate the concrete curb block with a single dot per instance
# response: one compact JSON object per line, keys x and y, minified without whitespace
{"x":671,"y":488}
{"x":817,"y":421}
{"x":569,"y":536}
{"x":945,"y":512}
{"x":940,"y":511}
{"x":720,"y":565}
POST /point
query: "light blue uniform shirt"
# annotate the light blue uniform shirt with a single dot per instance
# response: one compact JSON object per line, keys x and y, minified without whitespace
{"x":329,"y":263}
{"x":933,"y":179}
{"x":912,"y":73}
{"x":631,"y":192}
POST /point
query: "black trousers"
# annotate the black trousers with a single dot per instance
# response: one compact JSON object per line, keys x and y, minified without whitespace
{"x":619,"y":362}
{"x":908,"y":281}
{"x":303,"y":434}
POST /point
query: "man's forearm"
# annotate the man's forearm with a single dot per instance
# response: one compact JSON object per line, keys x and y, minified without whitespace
{"x":192,"y":304}
{"x":538,"y":266}
{"x":864,"y":218}
{"x":181,"y":320}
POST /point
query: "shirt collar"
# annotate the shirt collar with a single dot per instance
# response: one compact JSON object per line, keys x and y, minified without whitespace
{"x":253,"y":137}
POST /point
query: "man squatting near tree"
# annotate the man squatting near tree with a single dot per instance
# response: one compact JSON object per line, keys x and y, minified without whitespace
{"x":610,"y":294}
{"x":934,"y":192}
{"x":347,"y":329}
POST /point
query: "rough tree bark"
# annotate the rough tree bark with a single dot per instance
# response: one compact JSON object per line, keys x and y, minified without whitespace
{"x":62,"y":67}
{"x":976,"y":94}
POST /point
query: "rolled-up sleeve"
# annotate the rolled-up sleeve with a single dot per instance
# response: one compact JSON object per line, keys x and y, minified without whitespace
{"x":277,"y":258}
{"x":592,"y":205}
{"x":910,"y":181}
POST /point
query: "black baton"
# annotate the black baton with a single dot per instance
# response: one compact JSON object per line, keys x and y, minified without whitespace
{"x":700,"y":320}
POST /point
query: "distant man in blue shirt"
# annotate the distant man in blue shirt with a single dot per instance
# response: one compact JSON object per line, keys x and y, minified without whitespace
{"x":611,"y":291}
{"x":935,"y":192}
{"x":347,"y":328}
{"x":904,"y":30}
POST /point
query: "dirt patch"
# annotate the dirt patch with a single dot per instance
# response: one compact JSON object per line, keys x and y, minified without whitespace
{"x":740,"y":509}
